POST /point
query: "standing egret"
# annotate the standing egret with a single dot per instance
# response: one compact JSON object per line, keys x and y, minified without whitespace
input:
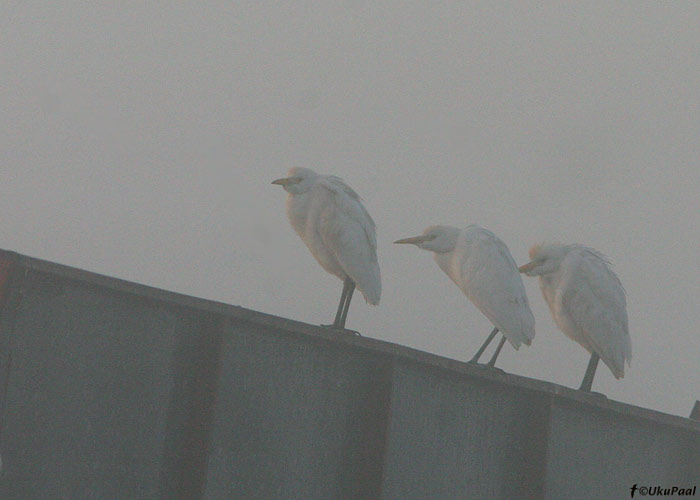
{"x":481,"y":266}
{"x":587,"y":302}
{"x":329,"y":217}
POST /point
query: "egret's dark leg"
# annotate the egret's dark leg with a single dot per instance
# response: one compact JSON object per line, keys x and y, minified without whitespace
{"x":590,"y":372}
{"x":339,"y":314}
{"x":348,"y":298}
{"x":483,"y":347}
{"x":492,"y":361}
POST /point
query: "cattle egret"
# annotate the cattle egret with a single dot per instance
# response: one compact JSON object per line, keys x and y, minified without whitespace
{"x":587,"y":302}
{"x":329,"y":217}
{"x":481,"y":266}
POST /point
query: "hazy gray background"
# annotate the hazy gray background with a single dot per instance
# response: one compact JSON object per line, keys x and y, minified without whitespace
{"x":140,"y":142}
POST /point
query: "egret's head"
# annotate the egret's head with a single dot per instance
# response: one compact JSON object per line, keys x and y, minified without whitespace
{"x":544,"y":259}
{"x":298,"y":180}
{"x":438,"y":239}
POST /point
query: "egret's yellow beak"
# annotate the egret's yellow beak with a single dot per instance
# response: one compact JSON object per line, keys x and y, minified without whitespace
{"x":526,"y":268}
{"x":415,"y":239}
{"x":287,"y":181}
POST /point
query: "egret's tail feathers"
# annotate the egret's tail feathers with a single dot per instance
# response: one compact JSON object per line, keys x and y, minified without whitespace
{"x":372,"y":295}
{"x":617,"y":365}
{"x":519,"y":338}
{"x":524,"y":333}
{"x":369,"y":282}
{"x":527,"y":326}
{"x":616,"y":356}
{"x":515,"y":342}
{"x":617,"y":371}
{"x":529,"y":334}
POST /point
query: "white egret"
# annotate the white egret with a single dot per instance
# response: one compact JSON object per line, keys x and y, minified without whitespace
{"x":587,"y":302}
{"x":329,"y":217}
{"x":480,"y":264}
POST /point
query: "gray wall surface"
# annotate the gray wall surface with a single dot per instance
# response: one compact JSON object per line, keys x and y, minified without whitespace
{"x":112,"y":390}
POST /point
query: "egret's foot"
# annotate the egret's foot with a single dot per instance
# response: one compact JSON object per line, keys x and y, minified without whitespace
{"x":495,"y":369}
{"x":476,"y":364}
{"x":342,"y":329}
{"x":483,"y":366}
{"x":597,"y":395}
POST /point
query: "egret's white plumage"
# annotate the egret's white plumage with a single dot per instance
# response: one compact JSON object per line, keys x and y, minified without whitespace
{"x":481,"y":265}
{"x":330,"y":218}
{"x":586,"y":299}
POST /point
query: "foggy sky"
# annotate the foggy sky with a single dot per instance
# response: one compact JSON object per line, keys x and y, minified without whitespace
{"x":139,"y":141}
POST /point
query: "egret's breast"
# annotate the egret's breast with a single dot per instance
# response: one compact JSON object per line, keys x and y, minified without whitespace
{"x":305,"y":212}
{"x":297,"y":212}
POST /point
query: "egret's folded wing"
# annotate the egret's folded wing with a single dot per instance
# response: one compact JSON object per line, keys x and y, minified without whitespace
{"x":349,"y":233}
{"x":491,"y":280}
{"x":594,"y":299}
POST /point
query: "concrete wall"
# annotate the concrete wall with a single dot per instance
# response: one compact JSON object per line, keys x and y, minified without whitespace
{"x":112,"y":390}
